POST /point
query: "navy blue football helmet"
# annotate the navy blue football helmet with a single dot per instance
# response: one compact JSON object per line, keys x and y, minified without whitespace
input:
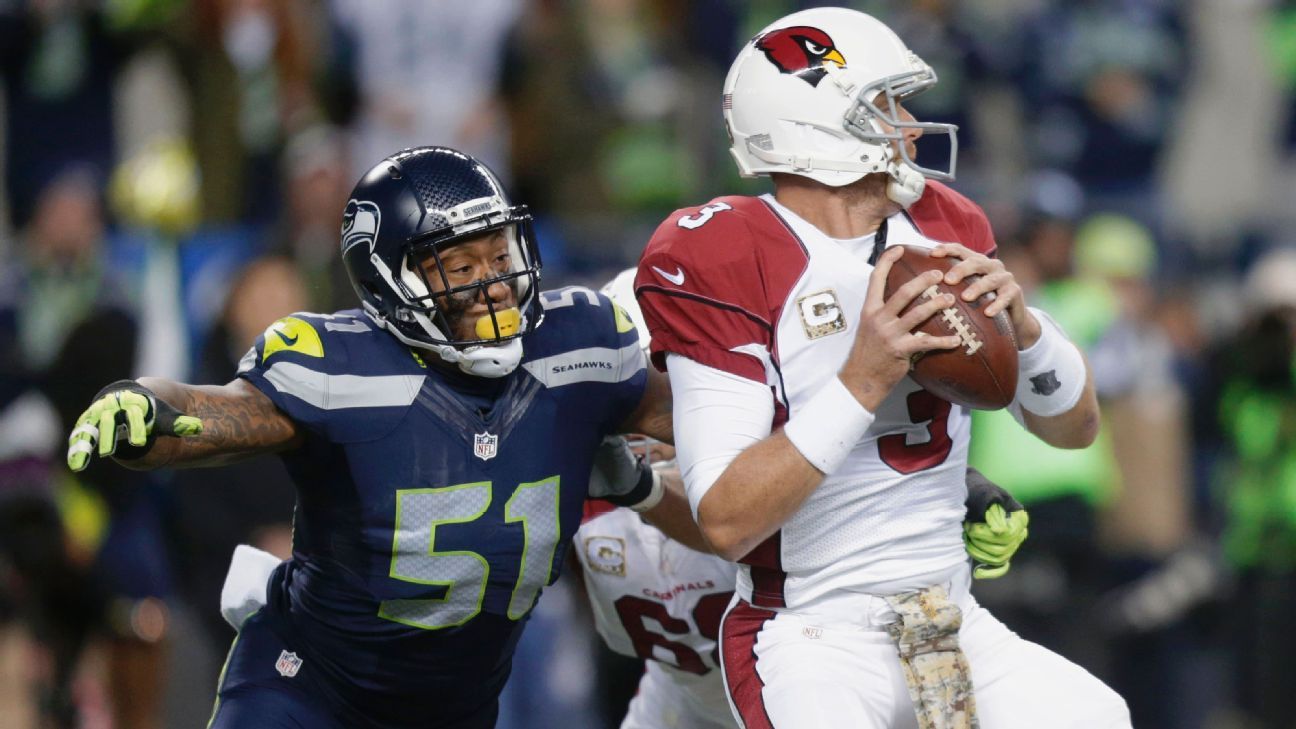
{"x":403,"y":214}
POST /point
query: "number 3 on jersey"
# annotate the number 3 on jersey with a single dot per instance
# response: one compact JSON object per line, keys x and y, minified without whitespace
{"x":464,"y":573}
{"x":895,"y":450}
{"x":693,"y":222}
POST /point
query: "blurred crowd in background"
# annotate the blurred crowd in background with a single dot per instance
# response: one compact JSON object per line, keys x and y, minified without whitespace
{"x":174,"y":176}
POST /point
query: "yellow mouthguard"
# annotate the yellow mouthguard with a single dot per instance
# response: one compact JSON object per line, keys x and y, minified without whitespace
{"x":509,"y":320}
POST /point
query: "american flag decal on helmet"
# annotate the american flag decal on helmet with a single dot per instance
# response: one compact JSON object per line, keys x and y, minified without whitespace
{"x":726,"y":102}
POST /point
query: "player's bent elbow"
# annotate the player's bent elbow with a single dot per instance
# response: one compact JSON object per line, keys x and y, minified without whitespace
{"x":730,"y":550}
{"x":1072,"y":430}
{"x":1082,"y":431}
{"x":725,"y":539}
{"x":1089,"y":433}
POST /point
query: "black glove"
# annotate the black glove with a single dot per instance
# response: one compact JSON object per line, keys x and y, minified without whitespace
{"x":622,"y":478}
{"x":129,"y":412}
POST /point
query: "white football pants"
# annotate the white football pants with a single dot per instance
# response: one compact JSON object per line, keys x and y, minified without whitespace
{"x":789,"y":671}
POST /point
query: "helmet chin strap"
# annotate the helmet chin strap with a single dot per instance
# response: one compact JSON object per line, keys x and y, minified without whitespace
{"x":484,"y":361}
{"x":480,"y":361}
{"x":906,"y":184}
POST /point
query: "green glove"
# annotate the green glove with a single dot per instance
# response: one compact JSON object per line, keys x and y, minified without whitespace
{"x":995,"y":526}
{"x":126,"y":411}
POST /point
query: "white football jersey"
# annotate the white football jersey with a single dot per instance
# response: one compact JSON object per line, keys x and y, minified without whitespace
{"x":656,"y":599}
{"x":757,"y":292}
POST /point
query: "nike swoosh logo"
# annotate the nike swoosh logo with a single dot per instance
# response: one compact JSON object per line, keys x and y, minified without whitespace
{"x":676,"y":278}
{"x":286,"y":340}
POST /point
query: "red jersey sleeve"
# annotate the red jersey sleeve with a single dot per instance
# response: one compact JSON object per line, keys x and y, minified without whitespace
{"x":945,"y":214}
{"x":712,"y":282}
{"x":594,"y":508}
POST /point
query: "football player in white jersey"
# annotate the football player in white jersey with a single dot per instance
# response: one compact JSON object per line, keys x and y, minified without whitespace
{"x":808,"y":454}
{"x":662,"y":600}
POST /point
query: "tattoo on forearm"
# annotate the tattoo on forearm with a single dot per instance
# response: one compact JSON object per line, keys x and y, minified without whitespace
{"x":234,"y":425}
{"x":239,"y":424}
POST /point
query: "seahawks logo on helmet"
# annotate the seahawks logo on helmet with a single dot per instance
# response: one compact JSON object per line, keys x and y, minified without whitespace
{"x":360,"y":222}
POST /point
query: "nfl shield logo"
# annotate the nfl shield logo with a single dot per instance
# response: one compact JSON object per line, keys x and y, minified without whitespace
{"x":288,"y":664}
{"x":484,"y":445}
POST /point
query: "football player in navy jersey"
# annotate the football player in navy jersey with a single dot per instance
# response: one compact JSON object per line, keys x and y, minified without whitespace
{"x":442,"y":443}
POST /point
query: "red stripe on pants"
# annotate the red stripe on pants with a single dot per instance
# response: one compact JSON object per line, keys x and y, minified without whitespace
{"x":738,"y":643}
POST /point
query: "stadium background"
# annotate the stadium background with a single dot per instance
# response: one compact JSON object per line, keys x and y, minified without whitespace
{"x":174,"y":174}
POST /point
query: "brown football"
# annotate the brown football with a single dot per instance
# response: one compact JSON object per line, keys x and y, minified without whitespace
{"x":982,"y":373}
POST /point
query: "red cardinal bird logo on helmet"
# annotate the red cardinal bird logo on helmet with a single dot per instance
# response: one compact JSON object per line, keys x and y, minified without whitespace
{"x":801,"y":51}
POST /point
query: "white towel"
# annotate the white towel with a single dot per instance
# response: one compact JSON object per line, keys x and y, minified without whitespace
{"x":244,"y":591}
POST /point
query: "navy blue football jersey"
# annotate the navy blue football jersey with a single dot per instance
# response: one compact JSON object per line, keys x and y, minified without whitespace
{"x":433,"y":507}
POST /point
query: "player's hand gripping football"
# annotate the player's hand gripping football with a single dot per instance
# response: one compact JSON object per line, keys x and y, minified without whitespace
{"x":994,"y":527}
{"x":996,"y":279}
{"x":885,"y":342}
{"x":125,"y":411}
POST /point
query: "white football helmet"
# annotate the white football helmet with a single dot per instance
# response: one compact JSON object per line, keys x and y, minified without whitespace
{"x":800,"y":99}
